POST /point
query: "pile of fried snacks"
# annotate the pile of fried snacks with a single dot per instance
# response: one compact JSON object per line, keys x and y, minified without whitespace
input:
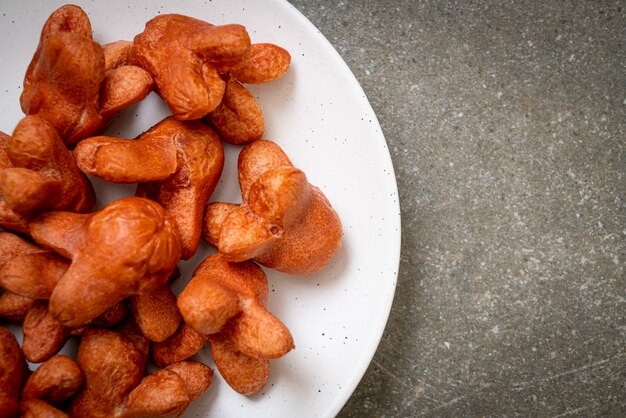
{"x":103,"y":277}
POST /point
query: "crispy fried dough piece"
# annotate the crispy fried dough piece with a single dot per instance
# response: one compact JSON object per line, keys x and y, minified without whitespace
{"x":112,"y":368}
{"x":207,"y":306}
{"x":43,"y":175}
{"x":246,"y":375}
{"x":13,"y":371}
{"x":55,"y":381}
{"x":108,"y":319}
{"x":36,"y":408}
{"x":177,"y":163}
{"x":196,"y":376}
{"x":168,"y":392}
{"x":283,"y":222}
{"x":113,"y":385}
{"x":62,"y":232}
{"x":238,"y":118}
{"x":227,"y":300}
{"x":185,"y":56}
{"x":129,"y":247}
{"x":258,"y":333}
{"x":116,"y":54}
{"x":68,"y":18}
{"x":266,"y":62}
{"x":151,"y":157}
{"x":217,"y":291}
{"x":65,"y":81}
{"x":159,"y":394}
{"x":162,"y":393}
{"x":200,"y":160}
{"x":214,"y":216}
{"x":129,"y":330}
{"x":33,"y":275}
{"x":230,"y":298}
{"x":12,"y":245}
{"x":111,"y":316}
{"x":26,"y":190}
{"x":156,"y":313}
{"x":9,"y":219}
{"x":44,"y":336}
{"x":183,"y":344}
{"x":122,"y":87}
{"x":15,"y":307}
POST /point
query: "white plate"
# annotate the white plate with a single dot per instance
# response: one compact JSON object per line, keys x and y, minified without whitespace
{"x":320,"y":116}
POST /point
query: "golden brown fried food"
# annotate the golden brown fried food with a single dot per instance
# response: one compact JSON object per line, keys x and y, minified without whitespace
{"x":112,"y":368}
{"x":266,"y":62}
{"x":114,"y":388}
{"x":129,"y":247}
{"x":228,"y":299}
{"x":116,"y":54}
{"x":15,"y":307}
{"x":12,"y":245}
{"x":9,"y":219}
{"x":65,"y":92}
{"x":43,"y":175}
{"x":196,"y":376}
{"x":33,"y":275}
{"x":36,"y":408}
{"x":44,"y":336}
{"x":231,"y":298}
{"x":246,"y":375}
{"x":111,"y":316}
{"x":156,"y":313}
{"x":28,"y":270}
{"x":65,"y":81}
{"x":73,"y":113}
{"x":13,"y":371}
{"x":184,"y":343}
{"x":167,"y":392}
{"x":185,"y":56}
{"x":177,"y":163}
{"x":55,"y":381}
{"x":283,"y":223}
{"x":129,"y":330}
{"x":161,"y":393}
{"x":122,"y":87}
{"x":72,"y":89}
{"x":200,"y":159}
{"x":238,"y":118}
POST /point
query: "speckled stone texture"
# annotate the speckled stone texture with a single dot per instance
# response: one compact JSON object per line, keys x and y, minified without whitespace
{"x":506,"y":124}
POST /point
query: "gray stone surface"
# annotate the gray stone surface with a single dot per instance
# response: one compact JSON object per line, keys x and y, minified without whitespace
{"x":506,"y":123}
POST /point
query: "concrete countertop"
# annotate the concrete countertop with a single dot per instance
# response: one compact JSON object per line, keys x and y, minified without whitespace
{"x":506,"y":125}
